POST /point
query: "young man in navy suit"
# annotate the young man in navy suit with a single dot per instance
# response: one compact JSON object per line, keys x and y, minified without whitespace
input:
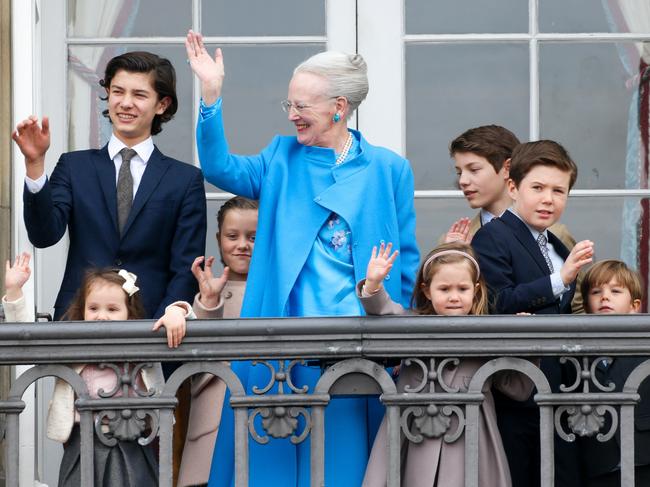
{"x":151,"y":222}
{"x":528,"y":269}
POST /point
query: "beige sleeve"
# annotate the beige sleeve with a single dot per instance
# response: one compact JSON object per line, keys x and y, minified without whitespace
{"x":204,"y":313}
{"x":379,"y":303}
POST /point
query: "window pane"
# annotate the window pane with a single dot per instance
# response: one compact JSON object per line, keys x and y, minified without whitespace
{"x":451,"y":88}
{"x":276,"y":18}
{"x":87,"y":126}
{"x":466,"y":16}
{"x":256,"y":82}
{"x":589,"y":103}
{"x":145,"y":18}
{"x":594,"y":16}
{"x":435,"y":216}
{"x":621,"y":237}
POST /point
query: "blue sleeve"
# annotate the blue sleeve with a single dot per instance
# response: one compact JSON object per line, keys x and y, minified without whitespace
{"x":241,"y":175}
{"x":47,"y":212}
{"x":507,"y":294}
{"x":188,"y":243}
{"x":409,"y":254}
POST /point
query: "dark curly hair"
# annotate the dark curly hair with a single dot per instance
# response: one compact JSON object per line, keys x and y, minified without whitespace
{"x":164,"y":80}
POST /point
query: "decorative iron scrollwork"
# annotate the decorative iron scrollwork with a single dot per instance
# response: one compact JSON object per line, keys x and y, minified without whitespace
{"x":281,"y":376}
{"x":279,"y":422}
{"x":586,"y":373}
{"x":431,"y":422}
{"x":112,"y":426}
{"x":431,"y":375}
{"x":126,"y":424}
{"x":586,"y":420}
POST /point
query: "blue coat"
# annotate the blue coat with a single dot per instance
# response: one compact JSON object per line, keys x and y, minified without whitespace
{"x":298,"y":187}
{"x":165,"y":230}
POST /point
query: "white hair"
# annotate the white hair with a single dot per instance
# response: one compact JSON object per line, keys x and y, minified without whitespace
{"x":346,"y":74}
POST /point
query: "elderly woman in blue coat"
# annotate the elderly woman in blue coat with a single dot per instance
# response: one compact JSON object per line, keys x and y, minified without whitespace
{"x":326,"y":197}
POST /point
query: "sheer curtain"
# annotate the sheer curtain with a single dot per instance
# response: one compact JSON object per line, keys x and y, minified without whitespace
{"x":634,"y":16}
{"x":99,"y":18}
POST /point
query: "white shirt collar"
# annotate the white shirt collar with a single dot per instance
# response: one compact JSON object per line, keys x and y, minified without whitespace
{"x":144,"y":148}
{"x":486,"y":217}
{"x":534,"y":232}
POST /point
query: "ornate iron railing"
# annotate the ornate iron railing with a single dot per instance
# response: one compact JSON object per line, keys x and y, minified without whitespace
{"x":353,"y":353}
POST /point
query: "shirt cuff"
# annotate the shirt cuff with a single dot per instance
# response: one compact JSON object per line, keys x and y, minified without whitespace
{"x":186,"y":307}
{"x":557,"y":285}
{"x":206,"y":111}
{"x":35,"y":185}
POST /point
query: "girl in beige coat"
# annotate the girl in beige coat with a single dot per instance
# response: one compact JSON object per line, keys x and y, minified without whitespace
{"x":218,"y":297}
{"x":448,"y":283}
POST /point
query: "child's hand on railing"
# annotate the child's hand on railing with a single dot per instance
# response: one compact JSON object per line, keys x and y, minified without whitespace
{"x":174,"y":322}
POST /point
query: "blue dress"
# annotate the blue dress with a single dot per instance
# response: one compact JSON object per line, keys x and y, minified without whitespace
{"x":316,"y":221}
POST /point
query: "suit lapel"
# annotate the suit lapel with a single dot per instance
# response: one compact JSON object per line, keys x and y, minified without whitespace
{"x":106,"y":175}
{"x":522,"y":233}
{"x":156,"y":168}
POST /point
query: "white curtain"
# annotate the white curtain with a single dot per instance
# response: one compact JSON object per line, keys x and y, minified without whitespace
{"x":633,"y":16}
{"x":92,"y":18}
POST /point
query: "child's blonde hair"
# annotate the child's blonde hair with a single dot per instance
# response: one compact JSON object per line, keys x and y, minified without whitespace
{"x":458,"y":252}
{"x":606,"y":270}
{"x":94,"y":275}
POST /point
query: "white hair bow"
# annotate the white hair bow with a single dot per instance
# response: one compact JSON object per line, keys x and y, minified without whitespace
{"x":129,"y":282}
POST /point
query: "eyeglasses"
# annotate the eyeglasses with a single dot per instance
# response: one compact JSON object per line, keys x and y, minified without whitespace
{"x":287,"y":105}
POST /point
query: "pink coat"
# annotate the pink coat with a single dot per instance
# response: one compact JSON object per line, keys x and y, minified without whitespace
{"x":422,"y":461}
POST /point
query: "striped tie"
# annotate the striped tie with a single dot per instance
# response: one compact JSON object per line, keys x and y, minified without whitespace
{"x":542,"y":241}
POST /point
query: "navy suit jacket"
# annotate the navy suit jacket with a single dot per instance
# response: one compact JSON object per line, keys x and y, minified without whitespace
{"x":514,"y":268}
{"x":165,"y":230}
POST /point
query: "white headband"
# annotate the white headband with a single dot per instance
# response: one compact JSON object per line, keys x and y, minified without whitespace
{"x":428,"y":262}
{"x":129,"y":282}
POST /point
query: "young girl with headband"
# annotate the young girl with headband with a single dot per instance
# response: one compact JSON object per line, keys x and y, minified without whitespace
{"x":104,"y":295}
{"x":448,"y":283}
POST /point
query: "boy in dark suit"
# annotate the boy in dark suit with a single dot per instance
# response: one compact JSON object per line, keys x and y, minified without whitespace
{"x":125,"y":205}
{"x":482,"y":158}
{"x":528,"y":269}
{"x":611,"y":287}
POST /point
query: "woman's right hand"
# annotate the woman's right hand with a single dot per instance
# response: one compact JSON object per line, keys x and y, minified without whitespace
{"x":209,"y":71}
{"x":210,"y":287}
{"x":379,"y":266}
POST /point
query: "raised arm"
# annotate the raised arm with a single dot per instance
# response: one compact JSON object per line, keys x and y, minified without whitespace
{"x":16,"y":276}
{"x":379,"y":266}
{"x":33,"y":141}
{"x":209,"y":71}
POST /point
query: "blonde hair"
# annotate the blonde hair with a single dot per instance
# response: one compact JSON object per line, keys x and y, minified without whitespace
{"x":604,"y":271}
{"x":346,"y":74}
{"x":461,"y":252}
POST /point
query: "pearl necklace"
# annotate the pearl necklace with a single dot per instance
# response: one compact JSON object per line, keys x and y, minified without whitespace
{"x":346,"y":149}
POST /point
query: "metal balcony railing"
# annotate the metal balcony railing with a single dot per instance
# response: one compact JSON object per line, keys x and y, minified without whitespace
{"x":353,"y":353}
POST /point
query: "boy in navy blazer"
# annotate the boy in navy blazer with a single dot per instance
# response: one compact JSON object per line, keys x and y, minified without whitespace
{"x":528,"y":269}
{"x":160,"y":225}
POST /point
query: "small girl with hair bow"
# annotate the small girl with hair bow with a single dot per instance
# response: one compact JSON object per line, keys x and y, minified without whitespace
{"x":105,"y":294}
{"x":448,"y":283}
